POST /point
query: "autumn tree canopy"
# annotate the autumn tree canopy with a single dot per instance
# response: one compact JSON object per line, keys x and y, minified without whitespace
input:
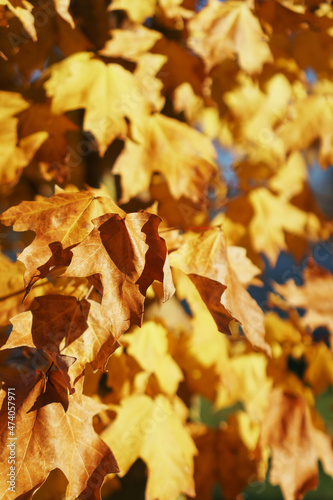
{"x":154,"y":169}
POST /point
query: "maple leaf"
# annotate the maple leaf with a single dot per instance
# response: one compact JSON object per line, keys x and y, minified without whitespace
{"x":149,"y":346}
{"x":128,"y":254}
{"x":131,"y":43}
{"x":314,"y":296}
{"x":62,"y":325}
{"x":272,"y":217}
{"x":204,"y":259}
{"x":108,"y":93}
{"x":63,"y":220}
{"x":296,"y":445}
{"x":183,"y":155}
{"x":152,"y":429}
{"x":255,"y":113}
{"x":223,"y":30}
{"x":310,"y":119}
{"x":15,"y":156}
{"x":43,"y":432}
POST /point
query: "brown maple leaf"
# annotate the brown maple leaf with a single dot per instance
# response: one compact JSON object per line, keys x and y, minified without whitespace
{"x":62,"y":326}
{"x":61,"y":440}
{"x":127,"y":255}
{"x":60,"y":222}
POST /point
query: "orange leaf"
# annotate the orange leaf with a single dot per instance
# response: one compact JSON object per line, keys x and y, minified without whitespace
{"x":296,"y":445}
{"x":128,"y":255}
{"x":205,"y":260}
{"x":61,"y":325}
{"x":60,"y":222}
{"x":60,"y":440}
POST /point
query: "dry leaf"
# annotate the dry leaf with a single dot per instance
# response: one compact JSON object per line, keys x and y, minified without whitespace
{"x":205,"y":260}
{"x":62,"y":440}
{"x":60,"y":222}
{"x":296,"y":445}
{"x":128,"y":255}
{"x":60,"y":325}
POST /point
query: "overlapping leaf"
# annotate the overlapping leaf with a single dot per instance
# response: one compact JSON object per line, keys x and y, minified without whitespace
{"x":314,"y":296}
{"x":60,"y":222}
{"x":127,"y":254}
{"x":108,"y":92}
{"x":43,"y":432}
{"x":225,"y":30}
{"x":183,"y":155}
{"x":151,"y":429}
{"x":62,"y":325}
{"x":15,"y":156}
{"x":205,"y":260}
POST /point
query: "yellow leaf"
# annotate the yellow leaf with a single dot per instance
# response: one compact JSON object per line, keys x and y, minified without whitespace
{"x":204,"y":259}
{"x":183,"y":155}
{"x":62,"y":7}
{"x":225,"y":30}
{"x":22,"y":9}
{"x":108,"y":92}
{"x":149,"y":346}
{"x":151,"y":429}
{"x":137,"y":11}
{"x":130,"y":43}
{"x":273,"y":216}
{"x":15,"y":156}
